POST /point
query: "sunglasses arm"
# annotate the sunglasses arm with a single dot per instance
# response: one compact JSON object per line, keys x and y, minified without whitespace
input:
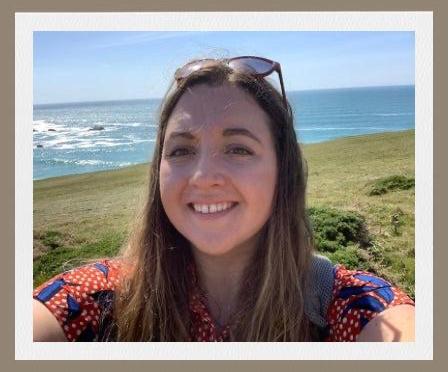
{"x":279,"y":70}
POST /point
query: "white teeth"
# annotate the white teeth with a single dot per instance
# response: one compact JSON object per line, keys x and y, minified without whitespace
{"x":211,"y":208}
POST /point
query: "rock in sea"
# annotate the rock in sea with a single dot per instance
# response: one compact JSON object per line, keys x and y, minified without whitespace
{"x":97,"y":127}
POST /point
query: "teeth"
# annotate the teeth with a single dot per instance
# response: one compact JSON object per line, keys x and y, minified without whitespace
{"x":211,"y":208}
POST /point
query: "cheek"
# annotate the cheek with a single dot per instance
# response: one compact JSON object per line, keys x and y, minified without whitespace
{"x":170,"y":185}
{"x":259,"y":189}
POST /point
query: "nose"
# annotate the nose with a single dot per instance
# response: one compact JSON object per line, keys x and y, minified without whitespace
{"x":207,"y":171}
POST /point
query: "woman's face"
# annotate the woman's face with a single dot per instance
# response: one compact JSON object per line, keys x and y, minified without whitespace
{"x":218,"y":169}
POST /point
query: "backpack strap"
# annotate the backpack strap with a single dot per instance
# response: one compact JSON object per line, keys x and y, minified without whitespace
{"x":319,"y":291}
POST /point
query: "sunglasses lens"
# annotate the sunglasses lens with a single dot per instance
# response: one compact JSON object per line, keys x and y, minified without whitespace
{"x":191,"y":67}
{"x":251,"y":65}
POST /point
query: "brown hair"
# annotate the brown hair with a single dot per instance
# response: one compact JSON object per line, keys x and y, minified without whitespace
{"x":152,"y":304}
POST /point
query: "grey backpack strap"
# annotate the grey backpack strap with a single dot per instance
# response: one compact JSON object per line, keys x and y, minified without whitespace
{"x":318,"y":293}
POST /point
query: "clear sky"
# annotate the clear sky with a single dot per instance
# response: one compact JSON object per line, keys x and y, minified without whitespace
{"x":96,"y":66}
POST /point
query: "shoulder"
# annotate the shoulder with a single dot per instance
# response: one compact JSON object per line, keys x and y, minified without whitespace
{"x":319,"y":289}
{"x":357,"y":298}
{"x":80,"y":298}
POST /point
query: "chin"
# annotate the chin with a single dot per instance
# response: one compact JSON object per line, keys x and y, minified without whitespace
{"x":212,"y":248}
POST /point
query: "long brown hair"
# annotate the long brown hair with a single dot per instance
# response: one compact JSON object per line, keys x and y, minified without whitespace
{"x":152,"y":303}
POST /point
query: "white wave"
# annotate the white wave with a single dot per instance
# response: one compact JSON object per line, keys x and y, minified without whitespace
{"x":142,"y":140}
{"x":67,"y":143}
{"x":395,"y":114}
{"x":66,"y":137}
{"x":134,"y":139}
{"x":123,"y":164}
{"x":44,"y":126}
{"x":85,"y":132}
{"x":55,"y":142}
{"x":84,"y":138}
{"x":136,"y":124}
{"x":90,"y":144}
{"x":90,"y":162}
{"x":110,"y":143}
{"x":67,"y":146}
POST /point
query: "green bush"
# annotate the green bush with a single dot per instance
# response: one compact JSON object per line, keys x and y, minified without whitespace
{"x":397,"y":221}
{"x":348,"y":257}
{"x":334,"y":229}
{"x":392,"y":183}
{"x":51,"y":239}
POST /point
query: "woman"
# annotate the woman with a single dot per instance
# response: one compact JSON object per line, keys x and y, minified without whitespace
{"x":224,"y":251}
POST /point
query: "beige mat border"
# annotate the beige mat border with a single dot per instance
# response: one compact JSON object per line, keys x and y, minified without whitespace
{"x":8,"y":8}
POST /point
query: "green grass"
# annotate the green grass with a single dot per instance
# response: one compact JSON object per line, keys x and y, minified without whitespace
{"x":341,"y":173}
{"x":65,"y":258}
{"x":80,"y":217}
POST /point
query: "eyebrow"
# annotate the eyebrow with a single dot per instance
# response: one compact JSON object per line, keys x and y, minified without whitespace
{"x":226,"y":133}
{"x":240,"y":132}
{"x":185,"y":134}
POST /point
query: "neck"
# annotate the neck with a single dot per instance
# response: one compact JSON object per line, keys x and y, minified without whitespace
{"x":220,"y":278}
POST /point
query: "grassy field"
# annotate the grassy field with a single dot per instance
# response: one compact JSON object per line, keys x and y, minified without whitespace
{"x":85,"y":216}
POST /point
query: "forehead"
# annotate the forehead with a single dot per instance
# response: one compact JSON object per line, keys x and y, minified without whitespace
{"x":208,"y":107}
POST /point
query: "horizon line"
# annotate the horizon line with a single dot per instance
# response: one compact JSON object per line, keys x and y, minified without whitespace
{"x":160,"y":98}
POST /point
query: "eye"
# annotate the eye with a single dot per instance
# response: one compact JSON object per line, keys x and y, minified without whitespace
{"x":239,"y":150}
{"x":180,"y":151}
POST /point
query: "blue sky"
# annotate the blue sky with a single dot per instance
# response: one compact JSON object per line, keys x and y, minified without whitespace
{"x":96,"y":66}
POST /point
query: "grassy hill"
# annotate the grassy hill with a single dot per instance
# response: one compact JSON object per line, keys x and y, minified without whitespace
{"x":85,"y":216}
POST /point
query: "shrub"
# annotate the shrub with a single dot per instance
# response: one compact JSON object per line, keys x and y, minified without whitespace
{"x":397,"y":220}
{"x":392,"y":183}
{"x":334,"y":229}
{"x":348,"y":257}
{"x":51,"y":239}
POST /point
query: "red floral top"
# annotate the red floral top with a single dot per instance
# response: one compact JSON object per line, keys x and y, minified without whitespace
{"x":81,"y":300}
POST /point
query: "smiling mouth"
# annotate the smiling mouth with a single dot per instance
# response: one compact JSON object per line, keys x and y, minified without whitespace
{"x":212,"y":208}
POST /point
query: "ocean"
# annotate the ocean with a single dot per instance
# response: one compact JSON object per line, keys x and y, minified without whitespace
{"x":64,"y":142}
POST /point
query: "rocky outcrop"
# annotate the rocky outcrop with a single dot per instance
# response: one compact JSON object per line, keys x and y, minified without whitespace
{"x":97,"y":127}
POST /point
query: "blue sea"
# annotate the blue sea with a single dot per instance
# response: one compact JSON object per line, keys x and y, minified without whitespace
{"x":65,"y":144}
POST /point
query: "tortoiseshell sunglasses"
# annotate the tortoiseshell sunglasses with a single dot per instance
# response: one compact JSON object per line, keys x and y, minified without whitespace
{"x":256,"y":66}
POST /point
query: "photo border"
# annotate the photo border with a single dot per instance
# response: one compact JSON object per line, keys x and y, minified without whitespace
{"x":8,"y":148}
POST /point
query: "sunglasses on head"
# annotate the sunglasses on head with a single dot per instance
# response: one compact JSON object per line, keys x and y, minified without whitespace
{"x":255,"y":66}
